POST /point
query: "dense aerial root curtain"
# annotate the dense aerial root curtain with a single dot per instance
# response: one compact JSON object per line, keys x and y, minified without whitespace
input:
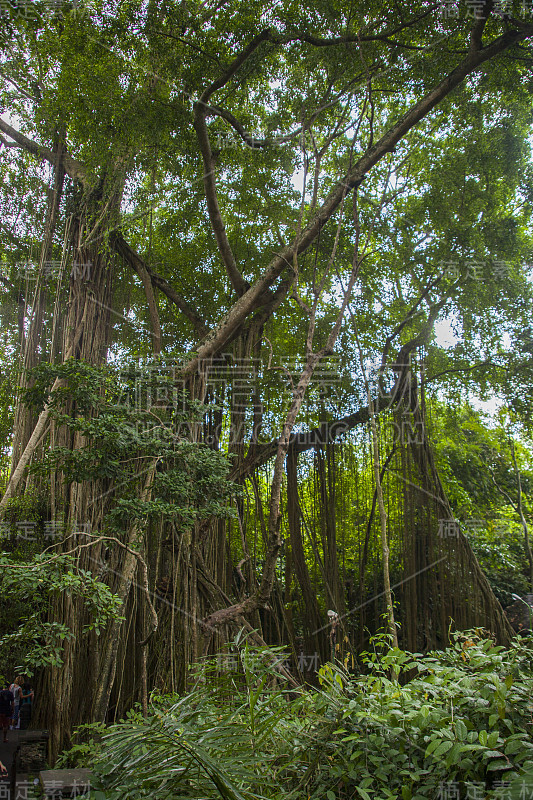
{"x":260,"y":597}
{"x":383,"y":517}
{"x":327,"y":476}
{"x":437,"y":582}
{"x":80,"y":505}
{"x":435,"y":579}
{"x":312,"y":618}
{"x":451,"y":586}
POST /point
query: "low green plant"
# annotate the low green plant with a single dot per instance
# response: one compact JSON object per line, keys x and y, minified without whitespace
{"x":86,"y":747}
{"x":412,"y":727}
{"x":459,"y":718}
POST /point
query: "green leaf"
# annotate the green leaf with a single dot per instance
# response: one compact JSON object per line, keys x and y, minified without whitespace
{"x":492,"y":739}
{"x":492,"y":754}
{"x":501,"y":764}
{"x":442,"y":748}
{"x":461,"y":730}
{"x":432,"y":746}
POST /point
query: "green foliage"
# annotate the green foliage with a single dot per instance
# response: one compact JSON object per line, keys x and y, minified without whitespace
{"x":116,"y":83}
{"x":221,"y":740}
{"x":86,"y":748}
{"x":460,"y":717}
{"x":499,"y":549}
{"x":122,"y":439}
{"x":29,"y":585}
{"x":120,"y":445}
{"x":80,"y":383}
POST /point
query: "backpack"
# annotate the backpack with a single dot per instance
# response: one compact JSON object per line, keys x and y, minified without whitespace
{"x":6,"y":698}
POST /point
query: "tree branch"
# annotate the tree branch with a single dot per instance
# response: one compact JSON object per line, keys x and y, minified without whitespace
{"x":152,"y":307}
{"x":354,"y":38}
{"x":135,"y":261}
{"x":476,"y":33}
{"x":72,"y":166}
{"x":217,"y":223}
{"x":235,"y":65}
{"x":251,"y":141}
{"x":503,"y":492}
{"x":486,"y":363}
{"x":327,"y":432}
{"x":200,"y":112}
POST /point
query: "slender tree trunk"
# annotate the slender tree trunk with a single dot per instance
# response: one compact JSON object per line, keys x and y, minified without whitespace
{"x":36,"y":342}
{"x":383,"y":529}
{"x":523,"y":521}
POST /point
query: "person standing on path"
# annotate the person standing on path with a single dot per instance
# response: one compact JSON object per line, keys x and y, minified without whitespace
{"x":25,"y":705}
{"x":16,"y":689}
{"x":6,"y":709}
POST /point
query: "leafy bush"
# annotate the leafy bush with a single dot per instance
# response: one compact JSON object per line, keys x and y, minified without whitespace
{"x":461,"y":724}
{"x":28,"y":585}
{"x":458,"y":719}
{"x":87,"y":746}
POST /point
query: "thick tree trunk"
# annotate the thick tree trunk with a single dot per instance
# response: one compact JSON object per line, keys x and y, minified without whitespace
{"x":66,"y":694}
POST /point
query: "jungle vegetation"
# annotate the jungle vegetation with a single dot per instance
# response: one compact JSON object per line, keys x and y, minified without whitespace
{"x":266,"y":377}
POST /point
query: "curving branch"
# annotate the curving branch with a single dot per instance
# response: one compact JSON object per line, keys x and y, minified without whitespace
{"x":476,"y":33}
{"x":325,"y":433}
{"x":258,"y":144}
{"x":252,"y":141}
{"x":217,"y":223}
{"x":200,"y":112}
{"x":236,"y":64}
{"x":355,"y":38}
{"x":121,"y":246}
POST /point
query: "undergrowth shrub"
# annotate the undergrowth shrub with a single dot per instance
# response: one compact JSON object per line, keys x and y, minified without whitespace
{"x":450,"y":724}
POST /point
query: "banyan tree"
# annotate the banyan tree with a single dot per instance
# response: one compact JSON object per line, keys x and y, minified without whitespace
{"x":228,"y":241}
